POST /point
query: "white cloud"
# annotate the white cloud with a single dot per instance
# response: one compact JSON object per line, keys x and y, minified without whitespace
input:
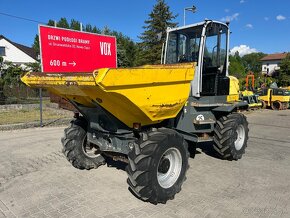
{"x":242,"y":1}
{"x":266,"y":18}
{"x":243,"y":50}
{"x":230,"y":18}
{"x":250,"y":26}
{"x":227,"y":10}
{"x":280,"y":17}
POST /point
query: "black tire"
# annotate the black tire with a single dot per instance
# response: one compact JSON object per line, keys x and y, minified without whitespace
{"x":74,"y":147}
{"x":276,"y":105}
{"x":145,"y":163}
{"x":231,"y":136}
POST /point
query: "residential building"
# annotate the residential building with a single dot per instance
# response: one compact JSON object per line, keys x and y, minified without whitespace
{"x":271,"y":63}
{"x":16,"y":53}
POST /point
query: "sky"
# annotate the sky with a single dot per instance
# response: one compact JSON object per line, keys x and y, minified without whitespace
{"x":256,"y":25}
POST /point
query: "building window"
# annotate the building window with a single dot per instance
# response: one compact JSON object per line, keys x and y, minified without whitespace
{"x":2,"y":51}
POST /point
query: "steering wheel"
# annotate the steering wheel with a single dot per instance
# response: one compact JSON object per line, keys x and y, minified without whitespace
{"x":182,"y":58}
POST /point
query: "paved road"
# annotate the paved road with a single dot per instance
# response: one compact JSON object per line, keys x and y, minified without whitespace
{"x":37,"y":181}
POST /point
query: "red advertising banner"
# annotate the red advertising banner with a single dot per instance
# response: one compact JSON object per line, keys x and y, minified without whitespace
{"x":65,"y":50}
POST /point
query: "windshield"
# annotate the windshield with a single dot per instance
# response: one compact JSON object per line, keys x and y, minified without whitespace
{"x":183,"y":45}
{"x":281,"y":92}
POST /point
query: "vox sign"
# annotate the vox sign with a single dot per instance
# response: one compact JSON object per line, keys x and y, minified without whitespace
{"x":65,"y":50}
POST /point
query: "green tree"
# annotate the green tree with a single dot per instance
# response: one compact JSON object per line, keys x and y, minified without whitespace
{"x":11,"y":74}
{"x":126,"y":48}
{"x":33,"y":67}
{"x":252,"y":62}
{"x":159,"y":20}
{"x":1,"y":64}
{"x":63,"y":23}
{"x":88,"y":28}
{"x":75,"y":25}
{"x":35,"y":45}
{"x":236,"y":67}
{"x":2,"y":96}
{"x":284,"y":73}
{"x":96,"y":30}
{"x":50,"y":23}
{"x":1,"y":73}
{"x":126,"y":52}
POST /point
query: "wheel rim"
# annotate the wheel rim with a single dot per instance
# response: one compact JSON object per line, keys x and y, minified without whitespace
{"x":240,"y":137}
{"x":89,"y":149}
{"x":169,"y":168}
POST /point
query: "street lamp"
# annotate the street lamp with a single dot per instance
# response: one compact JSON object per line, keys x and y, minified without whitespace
{"x":192,"y":9}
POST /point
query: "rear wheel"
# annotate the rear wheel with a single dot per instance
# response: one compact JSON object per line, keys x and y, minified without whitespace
{"x":276,"y":105}
{"x":157,"y":166}
{"x":231,"y":136}
{"x":77,"y":150}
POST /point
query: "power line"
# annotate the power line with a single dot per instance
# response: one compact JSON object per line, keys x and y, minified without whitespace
{"x":22,"y":18}
{"x":40,"y":22}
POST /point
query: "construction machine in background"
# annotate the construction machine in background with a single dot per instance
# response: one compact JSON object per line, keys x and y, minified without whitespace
{"x":249,"y":94}
{"x":275,"y":98}
{"x":252,"y":99}
{"x":148,"y":116}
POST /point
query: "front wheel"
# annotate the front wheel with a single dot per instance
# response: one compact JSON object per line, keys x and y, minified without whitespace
{"x":264,"y":105}
{"x":157,"y":166}
{"x":231,"y":136}
{"x":77,"y":150}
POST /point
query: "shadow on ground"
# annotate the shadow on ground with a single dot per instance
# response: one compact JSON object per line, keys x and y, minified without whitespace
{"x":207,"y":148}
{"x":119,"y":165}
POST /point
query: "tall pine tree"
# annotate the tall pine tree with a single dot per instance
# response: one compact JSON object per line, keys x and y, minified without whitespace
{"x":159,"y":20}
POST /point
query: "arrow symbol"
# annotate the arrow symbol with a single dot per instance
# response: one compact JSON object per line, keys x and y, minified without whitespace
{"x":73,"y":63}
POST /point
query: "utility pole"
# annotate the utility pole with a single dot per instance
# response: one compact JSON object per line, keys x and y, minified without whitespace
{"x":192,"y":9}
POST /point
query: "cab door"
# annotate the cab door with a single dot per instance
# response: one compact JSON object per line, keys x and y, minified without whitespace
{"x":214,"y":68}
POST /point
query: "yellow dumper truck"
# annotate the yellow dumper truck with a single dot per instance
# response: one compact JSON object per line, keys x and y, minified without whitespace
{"x":148,"y":116}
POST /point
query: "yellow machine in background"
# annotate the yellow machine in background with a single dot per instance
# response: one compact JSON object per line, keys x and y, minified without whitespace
{"x":252,"y":99}
{"x":234,"y":88}
{"x":276,"y":98}
{"x":248,"y":95}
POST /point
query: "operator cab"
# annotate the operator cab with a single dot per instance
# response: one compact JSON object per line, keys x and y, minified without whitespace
{"x":206,"y":44}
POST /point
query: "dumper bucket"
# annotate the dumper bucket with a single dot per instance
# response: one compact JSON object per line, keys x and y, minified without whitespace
{"x":145,"y":95}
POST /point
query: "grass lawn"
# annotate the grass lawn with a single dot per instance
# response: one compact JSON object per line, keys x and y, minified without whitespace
{"x":24,"y":116}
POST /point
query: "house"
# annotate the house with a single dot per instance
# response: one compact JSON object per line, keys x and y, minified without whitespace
{"x":16,"y":53}
{"x":271,"y":63}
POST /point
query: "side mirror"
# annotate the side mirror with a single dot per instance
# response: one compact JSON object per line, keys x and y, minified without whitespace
{"x":220,"y":69}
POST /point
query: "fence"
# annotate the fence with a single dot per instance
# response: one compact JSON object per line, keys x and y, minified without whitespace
{"x":20,"y":105}
{"x":20,"y":94}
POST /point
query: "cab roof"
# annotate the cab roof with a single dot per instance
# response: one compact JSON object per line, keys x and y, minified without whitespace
{"x":195,"y":25}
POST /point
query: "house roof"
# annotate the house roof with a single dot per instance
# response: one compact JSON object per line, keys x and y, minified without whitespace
{"x":27,"y":50}
{"x":276,"y":56}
